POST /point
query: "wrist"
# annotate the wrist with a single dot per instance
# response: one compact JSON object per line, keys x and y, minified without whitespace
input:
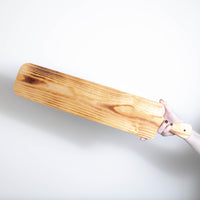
{"x":191,"y":137}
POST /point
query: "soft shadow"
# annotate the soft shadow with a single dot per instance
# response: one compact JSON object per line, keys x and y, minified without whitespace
{"x":84,"y":133}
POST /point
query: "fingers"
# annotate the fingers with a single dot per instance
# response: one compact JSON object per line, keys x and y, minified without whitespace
{"x":143,"y":139}
{"x":166,"y":131}
{"x":165,"y":128}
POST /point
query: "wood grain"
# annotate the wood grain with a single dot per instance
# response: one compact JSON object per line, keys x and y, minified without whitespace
{"x":90,"y":100}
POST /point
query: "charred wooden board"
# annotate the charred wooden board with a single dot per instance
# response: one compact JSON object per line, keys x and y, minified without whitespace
{"x":93,"y":101}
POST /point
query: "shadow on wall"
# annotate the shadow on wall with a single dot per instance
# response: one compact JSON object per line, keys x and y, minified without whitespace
{"x":85,"y":133}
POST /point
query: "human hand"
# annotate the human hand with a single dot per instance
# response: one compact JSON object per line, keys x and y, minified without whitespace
{"x":170,"y":117}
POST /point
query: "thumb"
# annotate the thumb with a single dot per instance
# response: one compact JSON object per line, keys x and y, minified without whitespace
{"x":166,"y":106}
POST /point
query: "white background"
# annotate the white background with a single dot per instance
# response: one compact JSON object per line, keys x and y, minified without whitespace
{"x":147,"y":48}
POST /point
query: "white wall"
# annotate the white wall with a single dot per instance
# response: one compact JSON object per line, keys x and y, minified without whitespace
{"x":147,"y":48}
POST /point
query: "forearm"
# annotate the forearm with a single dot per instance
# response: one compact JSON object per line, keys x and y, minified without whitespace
{"x":194,"y":141}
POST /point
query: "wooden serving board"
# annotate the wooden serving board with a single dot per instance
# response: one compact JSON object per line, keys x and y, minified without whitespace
{"x":90,"y":100}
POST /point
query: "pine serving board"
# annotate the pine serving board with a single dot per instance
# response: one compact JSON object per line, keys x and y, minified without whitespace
{"x":93,"y":101}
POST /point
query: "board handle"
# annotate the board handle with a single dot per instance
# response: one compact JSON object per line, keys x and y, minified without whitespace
{"x":182,"y":130}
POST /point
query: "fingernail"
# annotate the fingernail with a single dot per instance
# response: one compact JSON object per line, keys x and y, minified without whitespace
{"x":171,"y":124}
{"x":166,"y":121}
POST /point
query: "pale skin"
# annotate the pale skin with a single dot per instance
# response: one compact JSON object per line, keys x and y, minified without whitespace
{"x":170,"y":118}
